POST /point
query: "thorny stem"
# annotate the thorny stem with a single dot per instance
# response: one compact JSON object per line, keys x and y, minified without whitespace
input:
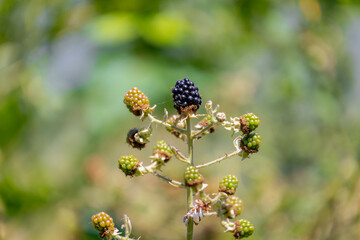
{"x":219,"y":159}
{"x":202,"y":130}
{"x":189,"y":192}
{"x":153,"y":119}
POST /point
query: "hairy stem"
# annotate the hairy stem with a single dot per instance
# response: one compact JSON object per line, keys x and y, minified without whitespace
{"x":189,"y":192}
{"x":219,"y":159}
{"x":169,"y":180}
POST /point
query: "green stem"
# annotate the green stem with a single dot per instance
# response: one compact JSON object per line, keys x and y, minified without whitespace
{"x":219,"y":159}
{"x":189,"y":192}
{"x":202,"y":130}
{"x":153,"y":119}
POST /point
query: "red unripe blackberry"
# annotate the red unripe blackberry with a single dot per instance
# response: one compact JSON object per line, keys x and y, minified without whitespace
{"x":103,"y":223}
{"x":249,"y":122}
{"x":128,"y":164}
{"x":250,"y":143}
{"x":192,"y":176}
{"x":162,"y":152}
{"x":233,"y":206}
{"x":186,"y":96}
{"x":136,"y":101}
{"x":228,"y":184}
{"x":243,"y":228}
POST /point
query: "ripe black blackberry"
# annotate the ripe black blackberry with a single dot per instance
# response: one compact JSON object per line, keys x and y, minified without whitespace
{"x":186,"y":96}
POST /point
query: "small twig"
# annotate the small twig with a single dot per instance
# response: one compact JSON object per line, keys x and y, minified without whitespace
{"x":219,"y":159}
{"x":172,"y":182}
{"x":202,"y":130}
{"x":179,"y":155}
{"x":153,"y":119}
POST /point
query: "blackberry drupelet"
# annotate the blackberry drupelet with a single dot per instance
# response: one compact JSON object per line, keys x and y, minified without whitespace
{"x":249,"y":122}
{"x":192,"y":176}
{"x":228,"y":184}
{"x":243,"y":228}
{"x":128,"y":164}
{"x":250,"y":143}
{"x":186,"y":96}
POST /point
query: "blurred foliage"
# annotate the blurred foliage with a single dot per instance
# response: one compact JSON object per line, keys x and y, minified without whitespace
{"x":65,"y":65}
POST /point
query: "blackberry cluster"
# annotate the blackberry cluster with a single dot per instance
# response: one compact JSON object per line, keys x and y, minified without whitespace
{"x":185,"y":94}
{"x":234,"y":206}
{"x":228,"y":184}
{"x":192,"y":176}
{"x":249,"y":122}
{"x":162,"y":151}
{"x":243,"y":228}
{"x":136,"y":101}
{"x":128,"y":164}
{"x":250,"y":143}
{"x":103,"y":223}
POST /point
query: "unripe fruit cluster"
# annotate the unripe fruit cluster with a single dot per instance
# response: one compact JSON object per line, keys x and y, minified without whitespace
{"x":250,"y":143}
{"x":102,"y":222}
{"x":228,"y":184}
{"x":128,"y":164}
{"x":162,"y":152}
{"x":136,"y":101}
{"x":243,"y":228}
{"x":161,"y":146}
{"x":186,"y":94}
{"x":192,"y":176}
{"x":235,"y":205}
{"x":249,"y":122}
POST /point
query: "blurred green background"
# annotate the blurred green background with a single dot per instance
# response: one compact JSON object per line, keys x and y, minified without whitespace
{"x":65,"y":66}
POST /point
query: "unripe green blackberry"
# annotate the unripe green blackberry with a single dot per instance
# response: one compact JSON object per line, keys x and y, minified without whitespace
{"x":233,"y":206}
{"x":243,"y":228}
{"x":136,"y":101}
{"x":103,"y":223}
{"x":249,"y":122}
{"x":228,"y":184}
{"x":162,"y":152}
{"x":192,"y":176}
{"x":186,"y":96}
{"x":250,"y":143}
{"x":128,"y":164}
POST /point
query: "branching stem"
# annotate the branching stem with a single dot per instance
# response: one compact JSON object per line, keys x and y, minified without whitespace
{"x":202,"y":130}
{"x":172,"y":182}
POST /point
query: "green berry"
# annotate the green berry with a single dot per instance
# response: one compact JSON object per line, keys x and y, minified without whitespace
{"x":136,"y":101}
{"x":192,"y":176}
{"x":228,"y":184}
{"x":102,"y":222}
{"x":250,"y":143}
{"x":162,"y":152}
{"x":243,"y":228}
{"x":249,"y":122}
{"x":233,"y":206}
{"x":128,"y":164}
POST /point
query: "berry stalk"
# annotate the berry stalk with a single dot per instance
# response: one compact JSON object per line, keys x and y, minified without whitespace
{"x":189,"y":192}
